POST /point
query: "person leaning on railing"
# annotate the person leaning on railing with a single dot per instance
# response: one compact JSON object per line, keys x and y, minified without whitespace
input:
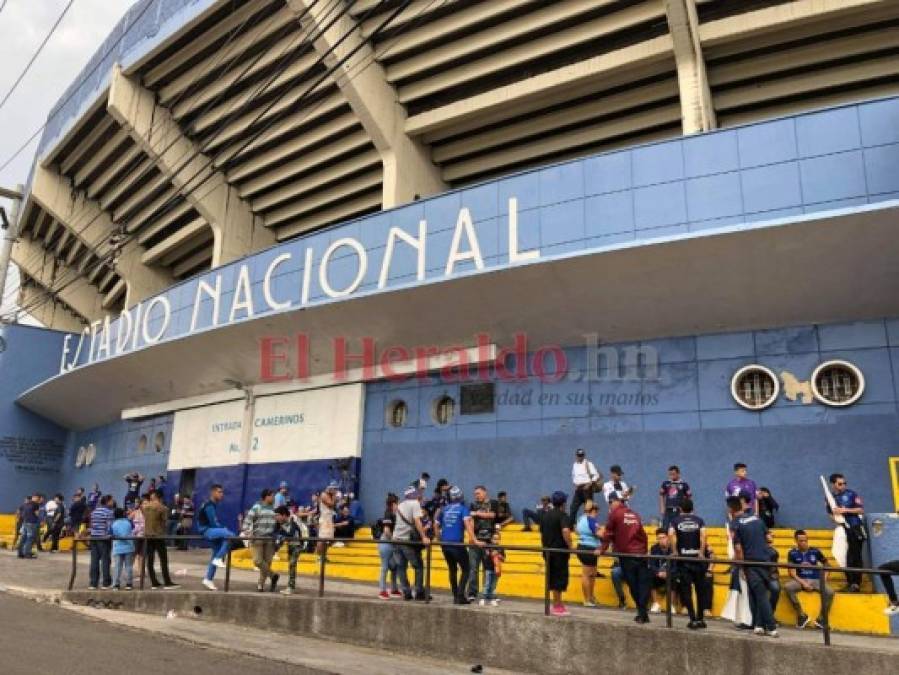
{"x":212,"y":530}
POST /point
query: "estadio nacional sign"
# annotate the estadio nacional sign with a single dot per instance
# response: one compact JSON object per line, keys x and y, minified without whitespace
{"x":218,"y":301}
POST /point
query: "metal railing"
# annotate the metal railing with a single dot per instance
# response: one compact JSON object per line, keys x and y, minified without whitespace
{"x":428,"y":558}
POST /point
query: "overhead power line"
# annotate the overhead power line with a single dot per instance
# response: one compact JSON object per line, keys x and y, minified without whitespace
{"x":37,"y":53}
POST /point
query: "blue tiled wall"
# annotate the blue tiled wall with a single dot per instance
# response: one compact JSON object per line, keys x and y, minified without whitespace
{"x":117,"y":454}
{"x":685,"y":416}
{"x":29,"y":355}
{"x":837,"y":158}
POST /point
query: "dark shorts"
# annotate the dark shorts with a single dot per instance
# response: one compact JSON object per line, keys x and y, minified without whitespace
{"x":558,"y":571}
{"x":587,"y":556}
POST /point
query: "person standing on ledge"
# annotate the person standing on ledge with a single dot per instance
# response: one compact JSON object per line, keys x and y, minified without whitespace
{"x":585,"y":478}
{"x":672,"y":494}
{"x":850,"y":506}
{"x":212,"y":530}
{"x":741,"y":485}
{"x":555,"y":532}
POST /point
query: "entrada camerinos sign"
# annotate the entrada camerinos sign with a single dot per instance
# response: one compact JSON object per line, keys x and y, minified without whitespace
{"x":149,"y":322}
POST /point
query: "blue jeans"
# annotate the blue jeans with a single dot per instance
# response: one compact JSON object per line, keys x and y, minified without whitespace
{"x":385,"y":551}
{"x":759,"y":600}
{"x":618,"y":583}
{"x":26,"y":538}
{"x":124,"y":563}
{"x":101,"y":552}
{"x":490,"y":579}
{"x":218,"y":539}
{"x":410,"y":555}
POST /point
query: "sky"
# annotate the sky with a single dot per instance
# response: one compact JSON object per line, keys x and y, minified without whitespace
{"x":23,"y":26}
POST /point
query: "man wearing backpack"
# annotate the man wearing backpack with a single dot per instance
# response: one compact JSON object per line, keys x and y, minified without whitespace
{"x":212,"y":530}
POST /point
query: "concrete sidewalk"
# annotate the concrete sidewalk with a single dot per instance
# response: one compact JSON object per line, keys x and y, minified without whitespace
{"x":49,"y":574}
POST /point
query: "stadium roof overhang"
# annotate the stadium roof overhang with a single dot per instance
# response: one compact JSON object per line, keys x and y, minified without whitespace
{"x":810,"y":269}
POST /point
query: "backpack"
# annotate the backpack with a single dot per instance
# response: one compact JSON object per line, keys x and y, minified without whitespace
{"x":377,"y":529}
{"x":203,"y":518}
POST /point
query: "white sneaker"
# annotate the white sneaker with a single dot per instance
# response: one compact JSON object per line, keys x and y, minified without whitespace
{"x":758,"y":630}
{"x":338,"y":544}
{"x":656,"y":608}
{"x":218,"y":562}
{"x":589,"y":603}
{"x":209,"y":584}
{"x":494,"y":603}
{"x":482,"y":602}
{"x":892,"y":609}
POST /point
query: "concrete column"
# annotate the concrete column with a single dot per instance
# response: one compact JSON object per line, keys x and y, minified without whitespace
{"x":236,"y":230}
{"x":92,"y":225}
{"x":697,"y":111}
{"x":65,"y":283}
{"x":408,"y":169}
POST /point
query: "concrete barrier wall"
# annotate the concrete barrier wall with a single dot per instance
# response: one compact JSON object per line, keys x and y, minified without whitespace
{"x":510,"y":640}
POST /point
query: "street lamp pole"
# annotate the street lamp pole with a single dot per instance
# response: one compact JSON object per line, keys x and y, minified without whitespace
{"x":8,"y":231}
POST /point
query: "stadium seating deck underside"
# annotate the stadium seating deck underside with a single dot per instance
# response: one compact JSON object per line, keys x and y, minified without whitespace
{"x":523,"y":573}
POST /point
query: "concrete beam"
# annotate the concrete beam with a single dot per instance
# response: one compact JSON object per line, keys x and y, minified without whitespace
{"x":236,"y":230}
{"x":697,"y":111}
{"x":92,"y":227}
{"x":59,"y":279}
{"x":408,"y":171}
{"x":47,"y":310}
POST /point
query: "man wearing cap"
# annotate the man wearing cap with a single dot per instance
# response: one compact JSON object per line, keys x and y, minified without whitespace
{"x":585,"y":477}
{"x":624,"y":531}
{"x":408,"y":532}
{"x":555,"y":532}
{"x":282,"y":497}
{"x":453,"y":522}
{"x":616,"y":484}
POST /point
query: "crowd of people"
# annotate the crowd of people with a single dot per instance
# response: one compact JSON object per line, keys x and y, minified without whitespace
{"x":470,"y":538}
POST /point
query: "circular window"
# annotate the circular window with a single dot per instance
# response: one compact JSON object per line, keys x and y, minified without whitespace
{"x":159,"y":441}
{"x":142,"y":443}
{"x":90,"y":454}
{"x":443,"y":410}
{"x":837,"y":383}
{"x":754,"y":387}
{"x":397,"y":414}
{"x":79,"y":457}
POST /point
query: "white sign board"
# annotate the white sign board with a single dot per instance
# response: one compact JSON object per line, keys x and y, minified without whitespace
{"x":312,"y":424}
{"x":208,"y":436}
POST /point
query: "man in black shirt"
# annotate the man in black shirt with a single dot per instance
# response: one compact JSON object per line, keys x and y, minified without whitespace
{"x":503,"y":510}
{"x":483,"y":514}
{"x":750,"y":544}
{"x":688,"y":537}
{"x":555,"y":532}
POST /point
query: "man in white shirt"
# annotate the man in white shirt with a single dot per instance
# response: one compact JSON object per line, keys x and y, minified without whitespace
{"x":407,"y":533}
{"x":584,"y":476}
{"x":616,"y":483}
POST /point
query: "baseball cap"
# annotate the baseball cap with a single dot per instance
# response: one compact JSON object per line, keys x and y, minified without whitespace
{"x":559,"y":497}
{"x":410,"y":492}
{"x":616,"y":469}
{"x":455,"y":493}
{"x":283,"y":484}
{"x":580,"y":452}
{"x":615,"y":496}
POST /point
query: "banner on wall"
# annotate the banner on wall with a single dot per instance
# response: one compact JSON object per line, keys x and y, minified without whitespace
{"x":299,"y":426}
{"x":208,"y":436}
{"x":305,"y":425}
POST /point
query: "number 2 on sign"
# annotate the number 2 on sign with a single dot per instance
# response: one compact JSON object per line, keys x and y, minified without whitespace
{"x":255,"y":445}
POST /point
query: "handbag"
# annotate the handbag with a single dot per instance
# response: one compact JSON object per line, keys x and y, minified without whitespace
{"x":415,"y":535}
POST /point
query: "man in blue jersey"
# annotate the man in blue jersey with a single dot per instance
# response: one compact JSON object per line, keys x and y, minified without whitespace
{"x":807,"y":578}
{"x":453,"y":522}
{"x":212,"y":530}
{"x":748,"y":532}
{"x":850,"y":506}
{"x":673,"y":492}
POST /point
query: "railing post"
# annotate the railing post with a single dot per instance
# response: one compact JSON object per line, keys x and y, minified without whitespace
{"x":668,"y":603}
{"x":143,"y":563}
{"x":428,"y":574}
{"x":824,"y":614}
{"x":74,"y":563}
{"x":321,"y":572}
{"x":228,"y":568}
{"x":545,"y":583}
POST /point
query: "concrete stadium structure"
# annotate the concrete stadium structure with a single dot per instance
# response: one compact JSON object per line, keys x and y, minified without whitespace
{"x":666,"y":192}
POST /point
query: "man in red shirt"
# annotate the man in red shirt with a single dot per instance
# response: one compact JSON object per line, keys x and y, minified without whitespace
{"x":624,"y":531}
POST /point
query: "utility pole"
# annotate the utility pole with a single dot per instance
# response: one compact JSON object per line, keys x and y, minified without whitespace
{"x":8,"y":231}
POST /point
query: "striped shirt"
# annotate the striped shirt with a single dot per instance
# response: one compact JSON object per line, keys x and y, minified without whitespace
{"x":101,"y":521}
{"x":260,"y":520}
